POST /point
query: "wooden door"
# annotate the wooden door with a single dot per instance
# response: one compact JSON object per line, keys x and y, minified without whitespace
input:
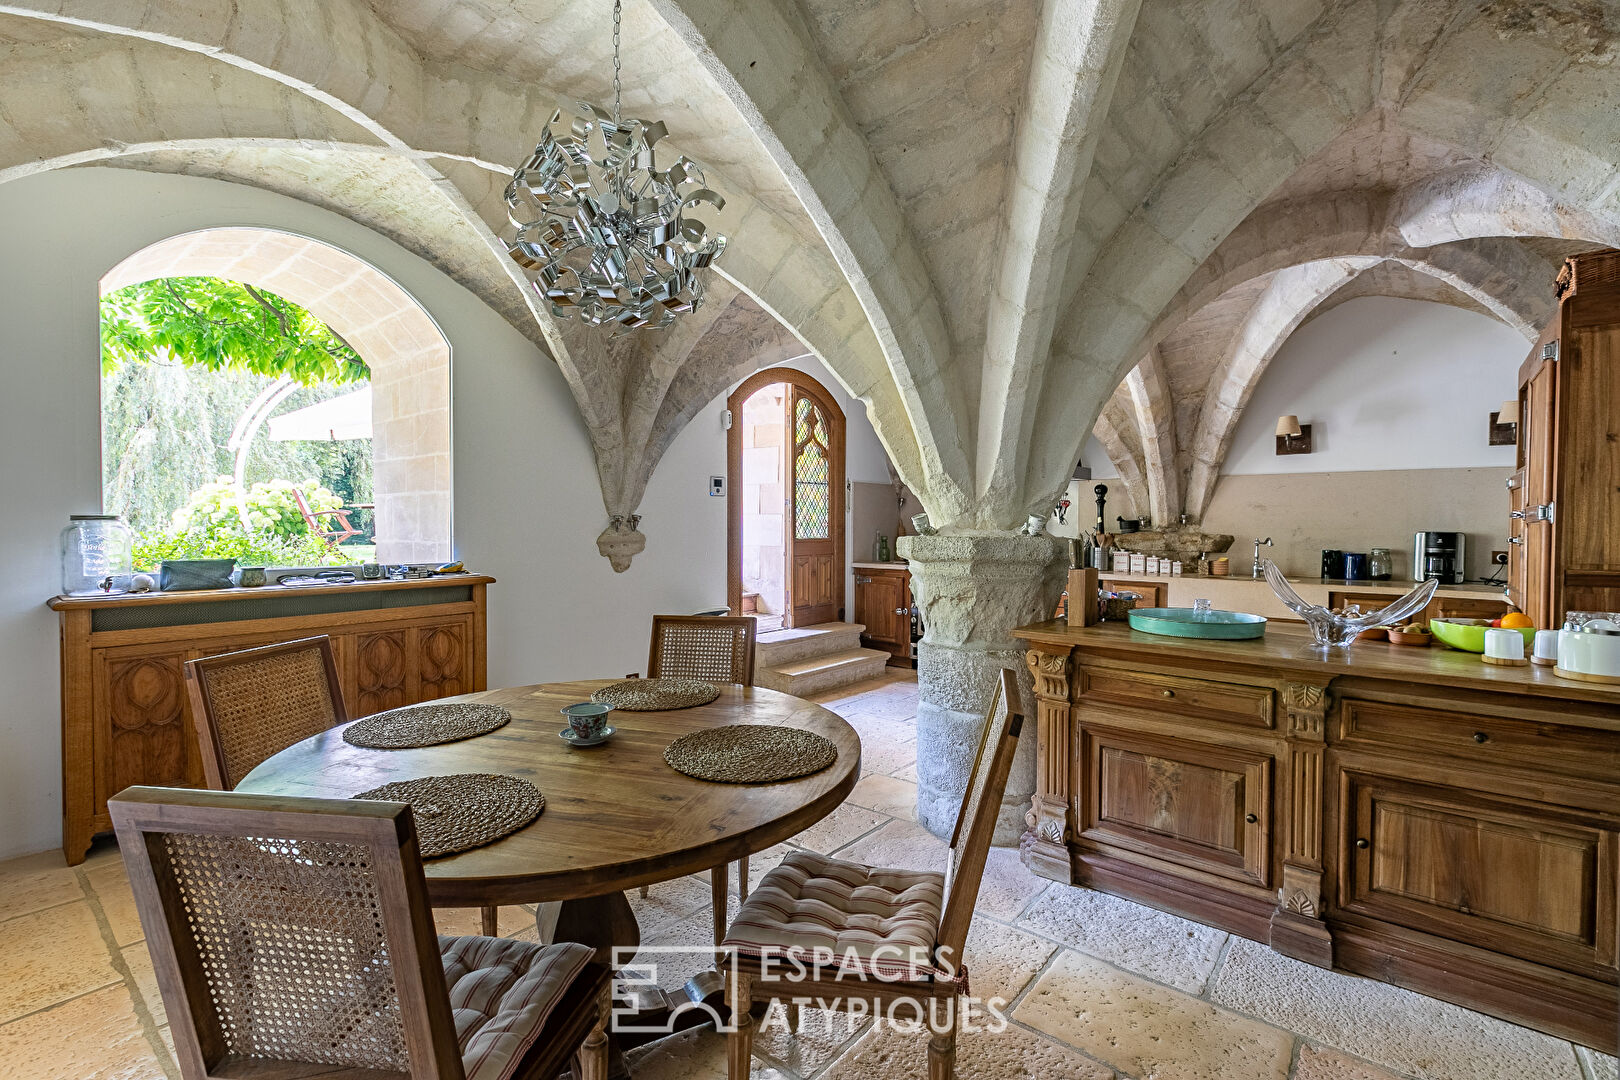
{"x":1537,"y":428}
{"x":815,"y":520}
{"x":1188,"y":803}
{"x":879,"y":599}
{"x":1527,"y":879}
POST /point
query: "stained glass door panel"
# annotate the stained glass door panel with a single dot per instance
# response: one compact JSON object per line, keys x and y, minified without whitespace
{"x":816,"y":554}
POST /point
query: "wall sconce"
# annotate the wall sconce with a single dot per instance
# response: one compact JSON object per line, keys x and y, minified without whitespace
{"x":1505,"y":424}
{"x":1292,"y":436}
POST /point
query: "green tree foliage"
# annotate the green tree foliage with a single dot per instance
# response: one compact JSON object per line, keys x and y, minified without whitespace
{"x":219,"y":325}
{"x":210,"y":526}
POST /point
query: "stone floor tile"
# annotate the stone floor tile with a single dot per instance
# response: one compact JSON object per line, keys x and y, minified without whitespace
{"x":1324,"y":1063}
{"x":888,"y":758}
{"x":38,"y":881}
{"x":877,"y":731}
{"x":838,"y":828}
{"x":93,"y":1037}
{"x":1010,"y":1054}
{"x":908,"y":773}
{"x":1008,"y":885}
{"x":902,"y":845}
{"x":50,"y":956}
{"x":139,"y":962}
{"x":693,"y":1054}
{"x":670,"y":901}
{"x":1396,"y":1028}
{"x":1147,"y":1030}
{"x":693,"y":942}
{"x":886,"y":795}
{"x":1599,"y":1066}
{"x":111,"y":886}
{"x":1129,"y":935}
{"x":466,"y":922}
{"x":1001,"y":960}
{"x":822,"y":1036}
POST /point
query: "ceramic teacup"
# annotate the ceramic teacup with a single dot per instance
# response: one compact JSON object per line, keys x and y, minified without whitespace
{"x":587,"y":720}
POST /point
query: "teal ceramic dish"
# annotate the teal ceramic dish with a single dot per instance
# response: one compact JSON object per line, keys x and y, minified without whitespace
{"x":1185,"y":622}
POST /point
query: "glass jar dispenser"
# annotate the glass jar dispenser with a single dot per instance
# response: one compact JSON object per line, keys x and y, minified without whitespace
{"x":1380,"y":566}
{"x":97,"y":549}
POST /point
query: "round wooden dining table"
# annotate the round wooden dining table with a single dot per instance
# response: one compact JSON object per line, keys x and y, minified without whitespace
{"x":616,"y":816}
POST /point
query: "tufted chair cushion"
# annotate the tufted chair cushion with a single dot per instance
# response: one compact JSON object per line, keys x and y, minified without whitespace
{"x":501,"y":993}
{"x":878,"y":922}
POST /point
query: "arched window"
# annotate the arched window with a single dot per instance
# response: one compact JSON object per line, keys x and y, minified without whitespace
{"x":313,"y":389}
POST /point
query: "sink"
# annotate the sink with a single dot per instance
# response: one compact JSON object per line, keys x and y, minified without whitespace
{"x":1187,"y":623}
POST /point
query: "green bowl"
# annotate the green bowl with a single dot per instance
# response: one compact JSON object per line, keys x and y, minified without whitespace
{"x":1469,"y":638}
{"x":1184,"y":622}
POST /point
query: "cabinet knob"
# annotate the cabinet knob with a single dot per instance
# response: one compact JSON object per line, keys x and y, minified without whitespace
{"x":1361,"y":843}
{"x":1480,"y":736}
{"x":1251,"y":818}
{"x":1168,"y":693}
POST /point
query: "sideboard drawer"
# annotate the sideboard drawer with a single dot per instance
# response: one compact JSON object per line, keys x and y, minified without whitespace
{"x":1481,"y":739}
{"x":1177,"y":695}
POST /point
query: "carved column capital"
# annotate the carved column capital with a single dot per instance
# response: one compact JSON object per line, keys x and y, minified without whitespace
{"x":1051,"y":672}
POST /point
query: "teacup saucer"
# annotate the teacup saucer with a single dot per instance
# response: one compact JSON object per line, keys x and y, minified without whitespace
{"x":567,"y":735}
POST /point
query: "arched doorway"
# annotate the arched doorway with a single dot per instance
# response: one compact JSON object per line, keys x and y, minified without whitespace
{"x":785,"y":483}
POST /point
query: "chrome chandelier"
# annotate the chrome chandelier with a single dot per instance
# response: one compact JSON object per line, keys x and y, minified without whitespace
{"x":602,"y":232}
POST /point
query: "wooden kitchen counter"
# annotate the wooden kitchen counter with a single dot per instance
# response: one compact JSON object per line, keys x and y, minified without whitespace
{"x":1413,"y":815}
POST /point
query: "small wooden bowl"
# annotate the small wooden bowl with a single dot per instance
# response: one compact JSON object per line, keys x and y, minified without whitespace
{"x":1374,"y":633}
{"x":1421,"y":641}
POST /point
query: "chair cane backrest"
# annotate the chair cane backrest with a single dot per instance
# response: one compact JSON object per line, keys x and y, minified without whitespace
{"x":981,"y":805}
{"x":289,"y":937}
{"x":252,"y":704}
{"x":702,"y":647}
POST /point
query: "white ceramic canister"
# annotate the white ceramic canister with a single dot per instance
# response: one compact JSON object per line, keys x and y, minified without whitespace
{"x":1503,"y":644}
{"x":1545,"y":650}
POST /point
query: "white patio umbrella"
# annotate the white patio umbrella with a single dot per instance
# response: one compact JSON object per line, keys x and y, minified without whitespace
{"x":346,"y":417}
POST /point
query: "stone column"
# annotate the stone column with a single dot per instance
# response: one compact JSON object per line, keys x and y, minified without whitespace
{"x":973,"y":589}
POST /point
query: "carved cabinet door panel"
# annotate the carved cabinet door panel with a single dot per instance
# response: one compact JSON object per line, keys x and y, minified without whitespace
{"x":383,"y":672}
{"x":443,"y":655}
{"x":879,"y":597}
{"x":1526,"y":879}
{"x":143,"y":728}
{"x":1192,"y":804}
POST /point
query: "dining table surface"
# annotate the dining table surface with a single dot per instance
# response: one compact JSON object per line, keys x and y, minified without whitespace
{"x":617,"y":816}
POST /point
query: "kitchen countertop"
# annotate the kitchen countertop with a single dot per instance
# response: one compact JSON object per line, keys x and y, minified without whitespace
{"x":880,"y":565}
{"x":1255,"y":597}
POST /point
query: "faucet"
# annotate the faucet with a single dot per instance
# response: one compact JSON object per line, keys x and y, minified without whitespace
{"x":1257,"y":570}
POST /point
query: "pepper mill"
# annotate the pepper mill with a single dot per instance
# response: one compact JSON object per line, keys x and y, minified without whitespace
{"x":1101,"y":491}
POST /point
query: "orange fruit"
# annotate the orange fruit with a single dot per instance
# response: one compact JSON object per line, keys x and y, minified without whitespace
{"x":1517,"y":620}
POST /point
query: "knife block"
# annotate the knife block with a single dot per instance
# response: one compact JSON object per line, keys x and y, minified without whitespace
{"x":1083,"y":610}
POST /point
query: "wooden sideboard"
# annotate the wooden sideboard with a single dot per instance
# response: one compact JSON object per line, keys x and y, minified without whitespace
{"x":1412,"y":815}
{"x":125,"y":716}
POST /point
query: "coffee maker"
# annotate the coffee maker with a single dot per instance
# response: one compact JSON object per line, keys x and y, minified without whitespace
{"x":1438,"y":555}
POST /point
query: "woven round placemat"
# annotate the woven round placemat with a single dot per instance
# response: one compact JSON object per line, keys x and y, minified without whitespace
{"x":425,"y":725}
{"x":750,"y":753}
{"x":656,"y":695}
{"x":465,"y":810}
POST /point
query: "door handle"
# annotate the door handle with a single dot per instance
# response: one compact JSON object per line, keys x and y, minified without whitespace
{"x":863,"y":581}
{"x":1515,"y":539}
{"x":900,"y":611}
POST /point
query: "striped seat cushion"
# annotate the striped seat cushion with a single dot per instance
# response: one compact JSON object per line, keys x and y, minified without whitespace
{"x":878,"y":922}
{"x":501,"y":994}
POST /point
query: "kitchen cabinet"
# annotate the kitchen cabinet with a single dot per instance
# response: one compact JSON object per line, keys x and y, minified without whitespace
{"x":1410,"y":815}
{"x":1564,"y":547}
{"x":1442,"y":606}
{"x":126,"y":718}
{"x":883,"y":606}
{"x":1153,"y":593}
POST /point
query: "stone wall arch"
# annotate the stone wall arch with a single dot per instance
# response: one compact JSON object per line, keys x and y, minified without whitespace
{"x":408,"y":354}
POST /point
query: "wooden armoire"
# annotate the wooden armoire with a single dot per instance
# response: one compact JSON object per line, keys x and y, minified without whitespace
{"x":1564,"y":538}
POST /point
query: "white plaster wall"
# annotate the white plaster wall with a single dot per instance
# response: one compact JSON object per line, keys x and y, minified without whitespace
{"x":1385,"y":384}
{"x":527,"y":504}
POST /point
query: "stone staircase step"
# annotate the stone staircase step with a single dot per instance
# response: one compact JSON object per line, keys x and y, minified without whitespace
{"x":777,"y":647}
{"x":817,"y":674}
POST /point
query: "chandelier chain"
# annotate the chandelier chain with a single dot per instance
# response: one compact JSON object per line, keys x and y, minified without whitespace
{"x":616,"y":8}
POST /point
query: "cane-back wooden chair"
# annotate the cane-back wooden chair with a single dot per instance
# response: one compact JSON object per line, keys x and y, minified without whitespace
{"x":880,"y":935}
{"x":716,"y":649}
{"x":292,"y":938}
{"x":252,"y":704}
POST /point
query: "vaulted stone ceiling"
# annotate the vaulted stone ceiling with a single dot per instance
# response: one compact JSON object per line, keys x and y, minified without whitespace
{"x":982,"y":216}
